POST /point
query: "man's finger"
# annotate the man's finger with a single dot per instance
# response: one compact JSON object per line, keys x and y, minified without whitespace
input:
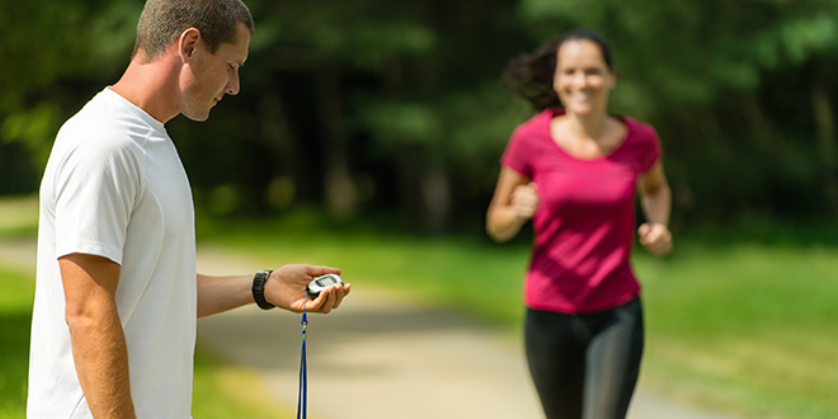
{"x":339,"y":294}
{"x":321,"y":270}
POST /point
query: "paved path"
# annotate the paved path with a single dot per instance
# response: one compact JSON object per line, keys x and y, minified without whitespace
{"x":379,"y":356}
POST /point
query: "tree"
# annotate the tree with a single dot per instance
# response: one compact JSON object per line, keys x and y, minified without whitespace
{"x":48,"y":63}
{"x":717,"y":78}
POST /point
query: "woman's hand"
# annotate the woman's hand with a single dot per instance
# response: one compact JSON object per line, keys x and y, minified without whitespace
{"x":656,"y":238}
{"x":525,"y":200}
{"x":513,"y":204}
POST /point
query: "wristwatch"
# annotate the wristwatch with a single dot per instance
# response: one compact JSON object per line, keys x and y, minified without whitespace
{"x":258,"y":290}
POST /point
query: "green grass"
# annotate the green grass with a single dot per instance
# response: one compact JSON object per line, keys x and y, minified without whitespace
{"x":15,"y":317}
{"x":746,"y":327}
{"x":466,"y":273}
{"x":18,"y":216}
{"x":751,"y":328}
{"x":221,"y":390}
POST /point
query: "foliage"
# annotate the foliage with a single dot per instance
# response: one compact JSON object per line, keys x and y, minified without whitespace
{"x":732,"y":87}
{"x":55,"y":55}
{"x":366,"y":105}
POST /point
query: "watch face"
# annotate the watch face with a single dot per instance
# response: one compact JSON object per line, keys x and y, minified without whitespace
{"x":327,"y":281}
{"x":322,"y":282}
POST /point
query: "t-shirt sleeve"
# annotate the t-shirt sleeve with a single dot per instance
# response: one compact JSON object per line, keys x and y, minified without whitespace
{"x":654,"y":152}
{"x":96,"y":186}
{"x":517,"y":153}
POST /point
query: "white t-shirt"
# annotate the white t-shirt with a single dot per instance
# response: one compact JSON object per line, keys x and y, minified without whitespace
{"x":115,"y":187}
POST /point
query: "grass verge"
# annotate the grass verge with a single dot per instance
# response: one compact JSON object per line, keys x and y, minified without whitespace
{"x":749,"y":327}
{"x":221,"y":390}
{"x":746,"y":327}
{"x":15,"y":319}
{"x":18,"y":216}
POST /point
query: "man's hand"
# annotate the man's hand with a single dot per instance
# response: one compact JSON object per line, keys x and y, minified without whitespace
{"x":286,"y":288}
{"x":656,"y":238}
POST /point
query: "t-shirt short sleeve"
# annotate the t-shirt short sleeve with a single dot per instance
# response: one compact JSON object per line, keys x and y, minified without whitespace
{"x":95,"y":189}
{"x":517,"y":153}
{"x":654,"y":149}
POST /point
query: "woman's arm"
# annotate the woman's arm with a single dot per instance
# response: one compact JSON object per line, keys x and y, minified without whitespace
{"x":514,"y":202}
{"x":656,"y":201}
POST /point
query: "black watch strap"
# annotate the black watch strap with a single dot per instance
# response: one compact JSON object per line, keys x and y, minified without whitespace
{"x":258,"y":290}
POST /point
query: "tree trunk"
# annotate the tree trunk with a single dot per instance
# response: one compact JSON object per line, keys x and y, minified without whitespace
{"x":436,"y":195}
{"x":826,"y":146}
{"x":341,"y":197}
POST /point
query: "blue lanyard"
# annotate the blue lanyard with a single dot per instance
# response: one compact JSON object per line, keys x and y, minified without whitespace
{"x":303,"y":389}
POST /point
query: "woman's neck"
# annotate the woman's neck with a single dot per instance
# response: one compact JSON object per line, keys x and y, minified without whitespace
{"x":587,"y":126}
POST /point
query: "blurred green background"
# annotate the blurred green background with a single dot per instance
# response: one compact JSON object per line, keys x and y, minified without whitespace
{"x":377,"y":107}
{"x":367,"y":135}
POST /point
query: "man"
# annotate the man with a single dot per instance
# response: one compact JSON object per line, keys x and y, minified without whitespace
{"x":117,"y":296}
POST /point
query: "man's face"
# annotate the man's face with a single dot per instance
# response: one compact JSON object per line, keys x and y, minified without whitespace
{"x":210,"y":76}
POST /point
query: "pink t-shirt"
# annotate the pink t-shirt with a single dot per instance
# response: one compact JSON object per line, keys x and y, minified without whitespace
{"x":584,"y":226}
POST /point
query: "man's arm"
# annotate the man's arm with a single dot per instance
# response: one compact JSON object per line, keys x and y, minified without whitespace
{"x":285,"y":288}
{"x":98,"y":341}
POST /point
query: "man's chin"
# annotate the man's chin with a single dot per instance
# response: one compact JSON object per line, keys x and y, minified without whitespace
{"x":197,"y":117}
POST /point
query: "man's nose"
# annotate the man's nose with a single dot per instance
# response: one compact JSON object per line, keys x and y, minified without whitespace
{"x":233,"y":84}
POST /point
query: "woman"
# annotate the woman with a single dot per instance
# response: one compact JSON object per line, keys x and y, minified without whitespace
{"x":574,"y":171}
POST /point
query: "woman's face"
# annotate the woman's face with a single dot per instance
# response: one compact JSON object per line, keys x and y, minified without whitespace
{"x":583,"y":79}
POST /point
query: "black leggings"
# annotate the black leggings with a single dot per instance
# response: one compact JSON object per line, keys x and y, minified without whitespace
{"x":585,"y":366}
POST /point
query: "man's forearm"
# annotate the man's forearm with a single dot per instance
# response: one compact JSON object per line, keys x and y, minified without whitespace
{"x":217,"y":294}
{"x":101,"y":358}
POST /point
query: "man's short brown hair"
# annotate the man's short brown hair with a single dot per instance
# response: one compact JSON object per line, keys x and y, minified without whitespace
{"x":163,"y":21}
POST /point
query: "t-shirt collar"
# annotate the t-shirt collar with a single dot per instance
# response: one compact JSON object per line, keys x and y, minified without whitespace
{"x":135,"y":110}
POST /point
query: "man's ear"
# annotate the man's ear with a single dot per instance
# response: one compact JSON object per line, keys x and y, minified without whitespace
{"x":187,"y":43}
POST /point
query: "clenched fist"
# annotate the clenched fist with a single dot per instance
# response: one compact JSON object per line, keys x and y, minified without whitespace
{"x":656,"y":238}
{"x":525,"y":200}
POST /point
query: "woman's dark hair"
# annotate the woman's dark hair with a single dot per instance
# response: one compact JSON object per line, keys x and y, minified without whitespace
{"x":530,"y":76}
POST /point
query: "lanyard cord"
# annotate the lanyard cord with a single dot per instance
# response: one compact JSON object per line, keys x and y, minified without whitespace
{"x":303,"y":389}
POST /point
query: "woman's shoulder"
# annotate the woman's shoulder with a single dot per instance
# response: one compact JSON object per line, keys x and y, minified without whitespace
{"x":642,"y":142}
{"x":638,"y":128}
{"x":536,"y":124}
